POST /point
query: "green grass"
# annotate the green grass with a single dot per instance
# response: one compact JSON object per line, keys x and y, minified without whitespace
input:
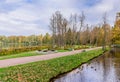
{"x":42,"y":71}
{"x":62,"y":50}
{"x":23,"y":54}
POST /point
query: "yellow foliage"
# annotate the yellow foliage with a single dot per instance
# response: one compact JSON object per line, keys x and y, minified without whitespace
{"x":116,"y":33}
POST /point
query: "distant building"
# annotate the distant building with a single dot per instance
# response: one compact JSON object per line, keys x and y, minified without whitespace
{"x":118,"y":16}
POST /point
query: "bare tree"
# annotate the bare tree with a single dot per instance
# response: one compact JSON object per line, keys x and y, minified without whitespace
{"x":104,"y":28}
{"x":53,"y":29}
{"x":58,"y":26}
{"x":81,"y":20}
{"x":73,"y":25}
{"x":64,"y":31}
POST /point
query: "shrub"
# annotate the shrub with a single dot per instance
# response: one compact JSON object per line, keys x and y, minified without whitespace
{"x":19,"y":50}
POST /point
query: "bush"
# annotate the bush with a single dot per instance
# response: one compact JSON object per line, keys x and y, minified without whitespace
{"x":19,"y":50}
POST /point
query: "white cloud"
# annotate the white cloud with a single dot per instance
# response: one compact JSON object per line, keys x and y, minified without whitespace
{"x":13,"y":1}
{"x":33,"y":18}
{"x":95,"y":13}
{"x":23,"y":14}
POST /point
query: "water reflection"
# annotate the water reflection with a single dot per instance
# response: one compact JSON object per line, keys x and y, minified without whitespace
{"x":103,"y":69}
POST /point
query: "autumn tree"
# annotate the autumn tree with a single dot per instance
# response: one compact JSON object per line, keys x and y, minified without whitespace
{"x":85,"y":36}
{"x":47,"y":39}
{"x":116,"y":33}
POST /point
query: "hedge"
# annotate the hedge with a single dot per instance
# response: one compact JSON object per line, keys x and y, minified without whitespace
{"x":10,"y":51}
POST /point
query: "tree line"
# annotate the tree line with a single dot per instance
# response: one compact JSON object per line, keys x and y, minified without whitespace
{"x":68,"y":32}
{"x":74,"y":31}
{"x":24,"y":41}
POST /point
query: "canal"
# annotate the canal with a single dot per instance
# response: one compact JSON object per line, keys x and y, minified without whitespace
{"x":105,"y":68}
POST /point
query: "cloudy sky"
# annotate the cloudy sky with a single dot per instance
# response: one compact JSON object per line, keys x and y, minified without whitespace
{"x":27,"y":17}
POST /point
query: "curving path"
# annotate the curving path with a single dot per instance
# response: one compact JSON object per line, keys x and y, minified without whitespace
{"x":24,"y":60}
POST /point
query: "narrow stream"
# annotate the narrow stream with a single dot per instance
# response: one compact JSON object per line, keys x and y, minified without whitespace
{"x":105,"y":68}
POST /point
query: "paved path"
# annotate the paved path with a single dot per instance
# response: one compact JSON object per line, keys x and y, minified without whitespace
{"x":24,"y":60}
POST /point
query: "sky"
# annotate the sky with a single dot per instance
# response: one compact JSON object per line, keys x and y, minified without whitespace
{"x":28,"y":17}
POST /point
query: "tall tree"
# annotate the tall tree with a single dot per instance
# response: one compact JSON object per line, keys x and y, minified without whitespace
{"x":81,"y":24}
{"x":116,"y":33}
{"x":104,"y":28}
{"x":73,"y":25}
{"x":53,"y":28}
{"x":58,"y":26}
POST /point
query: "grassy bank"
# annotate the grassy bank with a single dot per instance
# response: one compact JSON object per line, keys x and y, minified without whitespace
{"x":42,"y":71}
{"x":23,"y":54}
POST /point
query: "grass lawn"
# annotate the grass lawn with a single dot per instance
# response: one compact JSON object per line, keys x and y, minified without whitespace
{"x":63,"y":50}
{"x":42,"y":71}
{"x":23,"y":54}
